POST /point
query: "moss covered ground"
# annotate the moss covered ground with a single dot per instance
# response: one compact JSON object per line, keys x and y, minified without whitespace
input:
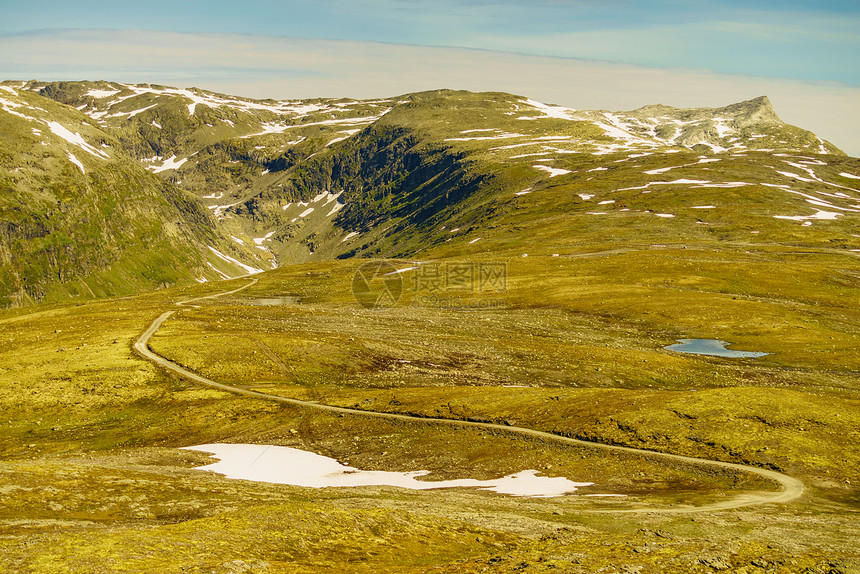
{"x":93,"y":481}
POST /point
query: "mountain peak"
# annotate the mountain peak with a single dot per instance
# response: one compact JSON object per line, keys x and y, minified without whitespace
{"x":755,"y":111}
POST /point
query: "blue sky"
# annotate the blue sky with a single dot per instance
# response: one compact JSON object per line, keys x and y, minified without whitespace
{"x":805,"y":55}
{"x":809,"y":40}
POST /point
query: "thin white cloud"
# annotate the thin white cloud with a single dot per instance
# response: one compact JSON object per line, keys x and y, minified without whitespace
{"x":264,"y":66}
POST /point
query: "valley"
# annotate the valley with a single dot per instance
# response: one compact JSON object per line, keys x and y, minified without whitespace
{"x":537,"y":260}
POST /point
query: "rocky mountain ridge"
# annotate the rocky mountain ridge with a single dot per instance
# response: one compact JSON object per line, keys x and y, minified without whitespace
{"x":441,"y":174}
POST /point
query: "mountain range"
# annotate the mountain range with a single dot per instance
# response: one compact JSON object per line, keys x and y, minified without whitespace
{"x":111,"y":188}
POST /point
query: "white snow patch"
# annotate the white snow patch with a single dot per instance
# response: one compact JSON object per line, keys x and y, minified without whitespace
{"x":156,"y":124}
{"x":819,"y":214}
{"x":703,"y":207}
{"x":218,"y":271}
{"x":335,"y":208}
{"x":849,"y":175}
{"x":75,"y":161}
{"x":135,"y":112}
{"x":237,"y":240}
{"x":795,"y":176}
{"x":267,"y":237}
{"x":681,"y":181}
{"x":501,"y":136}
{"x":99,"y":94}
{"x":477,"y":239}
{"x":664,"y":215}
{"x":250,"y":270}
{"x":76,"y":139}
{"x":9,"y":108}
{"x":549,"y":111}
{"x":332,"y":197}
{"x":478,"y":130}
{"x":270,"y":128}
{"x":661,"y":170}
{"x":552,"y":171}
{"x":585,"y":196}
{"x":715,"y":148}
{"x":306,"y":212}
{"x":725,"y":185}
{"x":522,"y":155}
{"x":722,"y":129}
{"x":349,"y":236}
{"x":346,"y":134}
{"x":285,"y":465}
{"x":607,"y":202}
{"x":675,"y":182}
{"x":169,"y":163}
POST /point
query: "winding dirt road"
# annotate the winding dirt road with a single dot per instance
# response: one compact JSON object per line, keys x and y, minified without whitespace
{"x":790,"y":487}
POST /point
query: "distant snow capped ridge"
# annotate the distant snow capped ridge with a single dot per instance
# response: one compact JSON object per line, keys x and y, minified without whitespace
{"x":746,"y":125}
{"x":751,"y":124}
{"x":234,"y":185}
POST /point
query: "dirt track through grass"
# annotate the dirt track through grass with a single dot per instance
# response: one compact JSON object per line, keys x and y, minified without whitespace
{"x":790,"y":488}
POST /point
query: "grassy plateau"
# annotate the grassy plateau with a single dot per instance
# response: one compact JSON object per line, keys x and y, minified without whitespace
{"x":540,"y":261}
{"x":93,"y":480}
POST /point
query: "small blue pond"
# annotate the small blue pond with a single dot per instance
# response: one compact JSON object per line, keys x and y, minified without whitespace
{"x":710,"y":347}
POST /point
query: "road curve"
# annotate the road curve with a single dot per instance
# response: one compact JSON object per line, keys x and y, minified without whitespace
{"x":790,"y":487}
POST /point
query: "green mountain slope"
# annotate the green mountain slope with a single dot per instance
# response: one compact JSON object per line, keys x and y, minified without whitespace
{"x":450,"y":174}
{"x":453,"y":173}
{"x":79,"y":218}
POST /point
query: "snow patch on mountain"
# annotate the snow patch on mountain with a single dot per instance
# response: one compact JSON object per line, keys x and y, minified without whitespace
{"x":100,"y":94}
{"x":218,"y":271}
{"x":76,"y":161}
{"x":335,"y":208}
{"x":267,"y":237}
{"x":501,"y":136}
{"x":250,"y":270}
{"x":552,"y":171}
{"x":76,"y":139}
{"x":548,"y":111}
{"x":819,"y":214}
{"x":346,"y":134}
{"x":169,"y":163}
